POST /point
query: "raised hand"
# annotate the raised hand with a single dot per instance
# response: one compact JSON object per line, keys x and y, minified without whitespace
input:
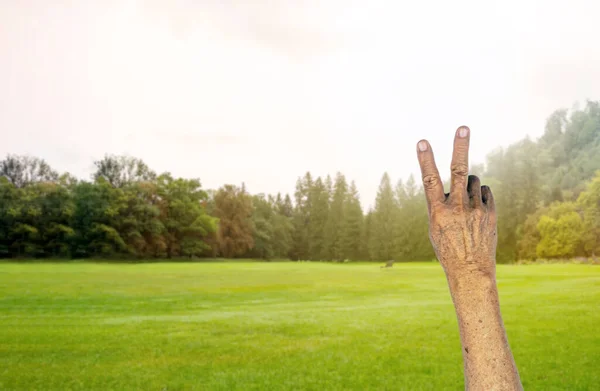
{"x":462,"y":224}
{"x":462,"y":229}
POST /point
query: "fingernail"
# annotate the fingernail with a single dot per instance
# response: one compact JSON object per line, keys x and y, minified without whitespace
{"x":463,"y":132}
{"x":422,"y":146}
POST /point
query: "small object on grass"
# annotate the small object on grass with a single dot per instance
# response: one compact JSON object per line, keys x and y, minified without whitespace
{"x":389,"y":264}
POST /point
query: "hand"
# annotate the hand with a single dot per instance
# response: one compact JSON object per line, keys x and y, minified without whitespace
{"x":462,"y":224}
{"x":462,"y":229}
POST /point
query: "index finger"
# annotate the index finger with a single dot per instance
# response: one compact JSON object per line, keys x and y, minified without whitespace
{"x":432,"y":183}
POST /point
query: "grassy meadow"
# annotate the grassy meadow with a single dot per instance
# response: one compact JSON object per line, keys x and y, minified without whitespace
{"x":281,"y":326}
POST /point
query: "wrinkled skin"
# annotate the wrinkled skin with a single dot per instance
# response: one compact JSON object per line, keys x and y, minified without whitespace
{"x":462,"y":230}
{"x":462,"y":224}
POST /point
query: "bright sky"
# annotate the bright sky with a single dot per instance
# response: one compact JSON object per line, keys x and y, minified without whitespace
{"x":262,"y":91}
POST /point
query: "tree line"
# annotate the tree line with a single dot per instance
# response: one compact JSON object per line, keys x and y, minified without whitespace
{"x":128,"y":211}
{"x":547,"y":194}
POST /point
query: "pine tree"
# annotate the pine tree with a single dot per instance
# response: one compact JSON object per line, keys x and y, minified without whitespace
{"x":401,"y":227}
{"x":353,"y":225}
{"x":411,"y":224}
{"x":329,"y":187}
{"x":383,"y":226}
{"x":366,"y":237}
{"x":319,"y":209}
{"x":263,"y":230}
{"x":301,"y":217}
{"x":335,"y":223}
{"x":287,"y":209}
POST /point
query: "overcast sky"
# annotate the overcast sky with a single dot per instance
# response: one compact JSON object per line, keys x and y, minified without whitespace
{"x":262,"y":91}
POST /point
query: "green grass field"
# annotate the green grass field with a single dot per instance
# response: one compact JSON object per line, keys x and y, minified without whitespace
{"x":281,"y":326}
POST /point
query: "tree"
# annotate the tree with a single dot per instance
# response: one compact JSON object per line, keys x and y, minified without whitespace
{"x":22,"y":171}
{"x":9,"y":196}
{"x":515,"y":183}
{"x":589,"y":203}
{"x":383,"y":231}
{"x":546,"y":191}
{"x":97,"y":207}
{"x":301,"y":218}
{"x":183,"y":215}
{"x":529,"y":235}
{"x":136,"y":219}
{"x":560,"y":232}
{"x":366,"y":245}
{"x":335,"y":226}
{"x":233,"y":208}
{"x":272,"y":230}
{"x":287,"y":208}
{"x":140,"y":223}
{"x":555,"y":125}
{"x":56,"y":212}
{"x":411,"y":224}
{"x":283,"y":231}
{"x":329,"y":187}
{"x":263,"y":234}
{"x":319,"y":212}
{"x":122,"y":170}
{"x":401,"y":226}
{"x":353,"y":225}
{"x":530,"y":175}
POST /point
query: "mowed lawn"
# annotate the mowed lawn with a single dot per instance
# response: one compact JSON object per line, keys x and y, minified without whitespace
{"x":281,"y":326}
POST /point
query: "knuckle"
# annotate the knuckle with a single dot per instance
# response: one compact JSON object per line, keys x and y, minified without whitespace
{"x":460,"y":169}
{"x":430,"y":181}
{"x":437,"y":211}
{"x":479,"y":213}
{"x":441,"y":215}
{"x":458,"y":209}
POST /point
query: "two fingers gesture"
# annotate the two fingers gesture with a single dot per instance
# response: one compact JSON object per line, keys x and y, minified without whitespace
{"x":462,"y":223}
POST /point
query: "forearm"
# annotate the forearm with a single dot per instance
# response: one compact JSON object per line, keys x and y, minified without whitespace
{"x":488,"y":361}
{"x":463,"y":232}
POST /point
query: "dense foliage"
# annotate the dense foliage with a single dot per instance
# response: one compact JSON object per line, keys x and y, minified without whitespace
{"x":548,"y":191}
{"x":547,"y":194}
